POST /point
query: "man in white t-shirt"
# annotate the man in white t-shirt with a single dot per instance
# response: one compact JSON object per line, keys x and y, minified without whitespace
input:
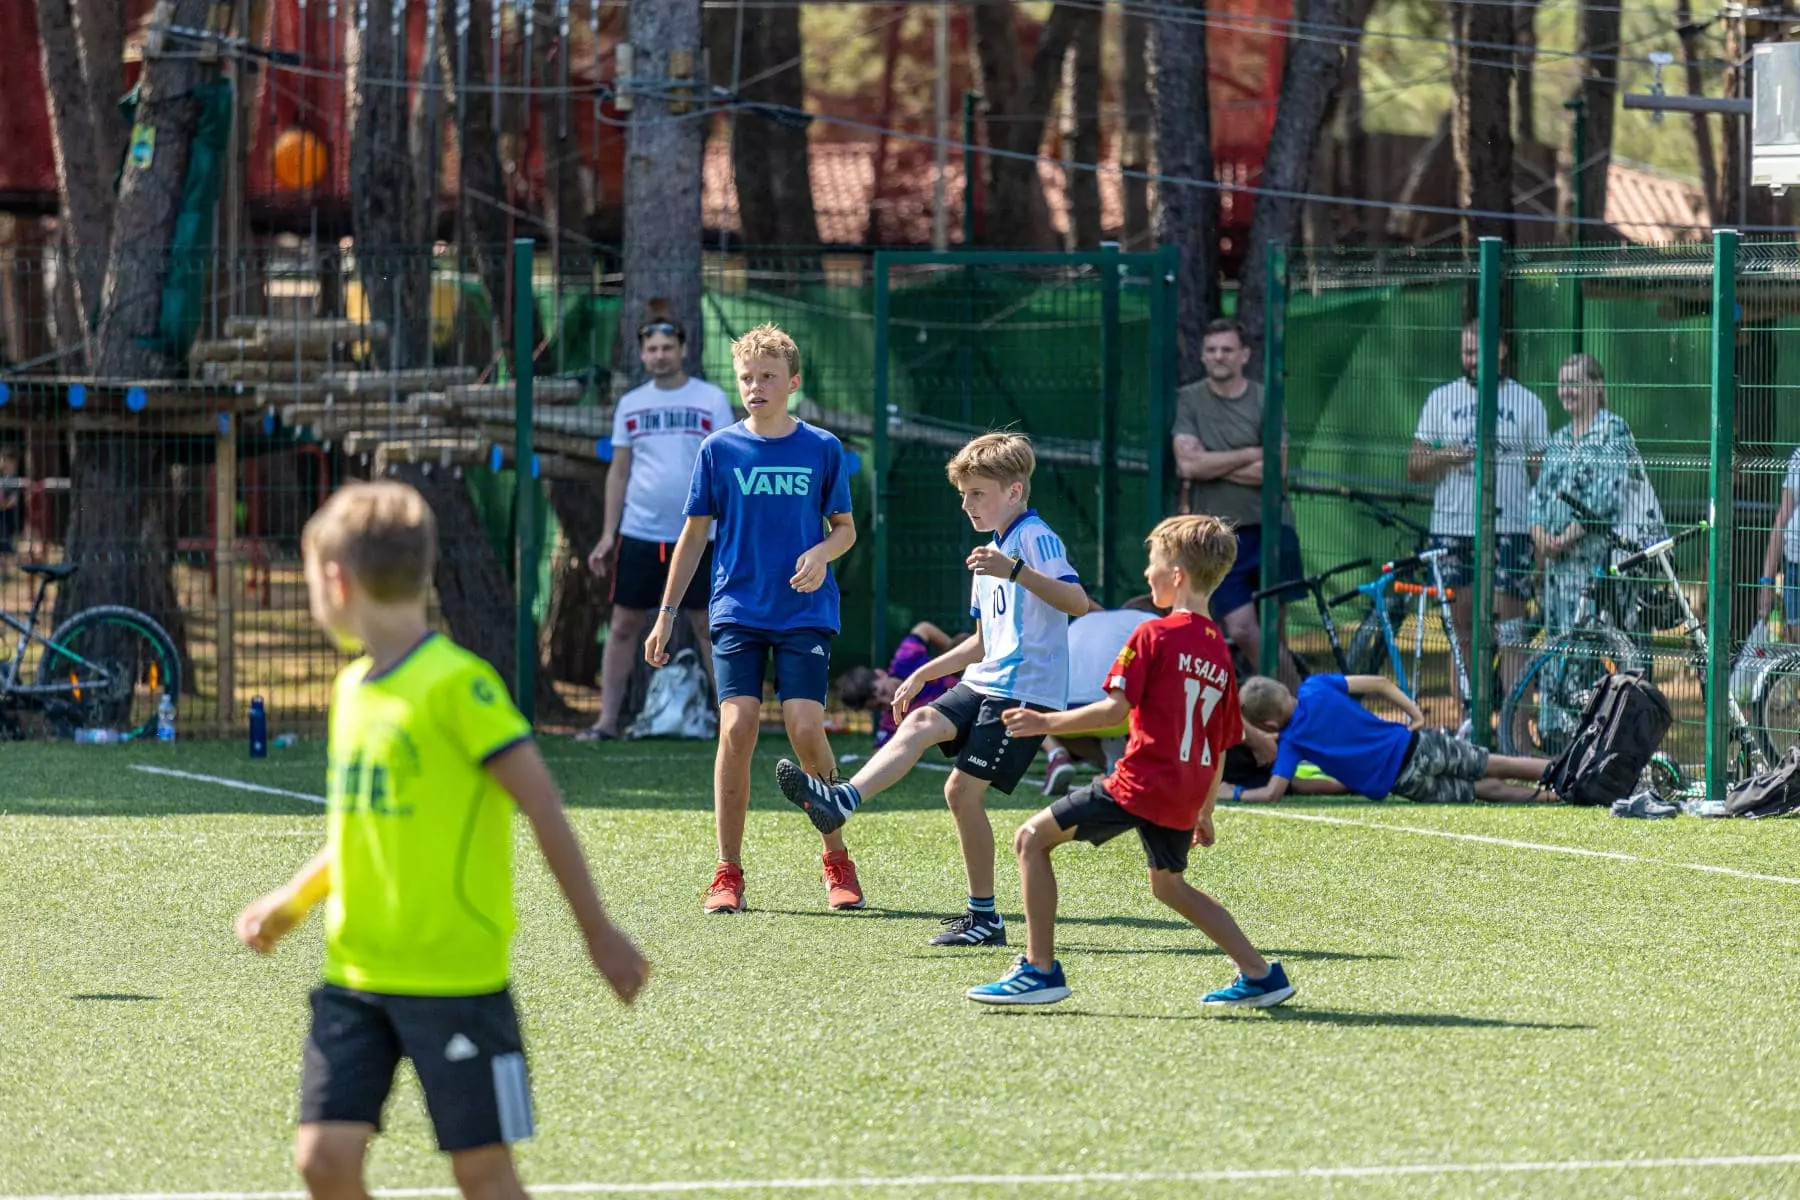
{"x":657,"y":431}
{"x":1443,"y":452}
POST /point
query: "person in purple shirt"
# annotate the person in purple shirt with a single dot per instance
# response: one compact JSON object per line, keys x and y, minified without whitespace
{"x":870,"y":689}
{"x":1326,"y":725}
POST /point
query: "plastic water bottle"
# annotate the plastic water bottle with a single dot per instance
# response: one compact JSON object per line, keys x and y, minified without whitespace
{"x":97,"y":737}
{"x":165,"y":718}
{"x":259,"y":729}
{"x":286,"y":741}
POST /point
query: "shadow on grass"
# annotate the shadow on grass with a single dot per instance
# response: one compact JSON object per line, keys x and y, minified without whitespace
{"x":1209,"y":951}
{"x":873,"y":913}
{"x":122,"y":996}
{"x":1304,"y":1016}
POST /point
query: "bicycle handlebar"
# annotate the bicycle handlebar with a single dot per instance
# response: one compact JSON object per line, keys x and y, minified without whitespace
{"x":1657,"y":549}
{"x":1310,"y":581}
{"x":1346,"y":598}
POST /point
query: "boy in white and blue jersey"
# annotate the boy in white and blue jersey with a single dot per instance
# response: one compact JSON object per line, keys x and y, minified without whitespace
{"x":1023,"y":595}
{"x":779,"y":491}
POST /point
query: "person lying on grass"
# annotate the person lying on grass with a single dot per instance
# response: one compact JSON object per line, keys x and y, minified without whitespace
{"x":1370,"y":756}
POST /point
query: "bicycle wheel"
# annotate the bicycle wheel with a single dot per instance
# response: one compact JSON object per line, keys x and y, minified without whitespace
{"x":1367,"y":652}
{"x":1542,"y":710}
{"x":111,"y":665}
{"x":1775,"y":703}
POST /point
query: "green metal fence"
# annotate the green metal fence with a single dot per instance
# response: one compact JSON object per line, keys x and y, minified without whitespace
{"x":1663,"y":375}
{"x":1074,"y":350}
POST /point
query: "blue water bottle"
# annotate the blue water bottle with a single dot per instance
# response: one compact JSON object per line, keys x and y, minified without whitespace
{"x":259,"y":729}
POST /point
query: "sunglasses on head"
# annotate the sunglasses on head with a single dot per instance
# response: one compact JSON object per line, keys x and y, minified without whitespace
{"x":652,"y":327}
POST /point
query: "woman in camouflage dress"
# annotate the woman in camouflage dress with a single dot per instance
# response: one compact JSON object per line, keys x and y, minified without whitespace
{"x":1593,"y":458}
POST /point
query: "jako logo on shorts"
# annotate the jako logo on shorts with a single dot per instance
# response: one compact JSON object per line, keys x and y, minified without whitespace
{"x":774,"y":481}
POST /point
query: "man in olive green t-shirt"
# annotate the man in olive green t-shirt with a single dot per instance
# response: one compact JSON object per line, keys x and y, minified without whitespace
{"x":1218,"y":451}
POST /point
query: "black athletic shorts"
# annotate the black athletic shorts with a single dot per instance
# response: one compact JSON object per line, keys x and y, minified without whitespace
{"x":982,"y":748}
{"x":466,"y":1050}
{"x":1097,"y":819}
{"x":641,"y":571}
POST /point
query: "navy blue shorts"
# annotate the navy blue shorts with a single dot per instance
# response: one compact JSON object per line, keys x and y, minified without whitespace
{"x":1512,"y":575}
{"x":741,"y":662}
{"x":1245,"y":576}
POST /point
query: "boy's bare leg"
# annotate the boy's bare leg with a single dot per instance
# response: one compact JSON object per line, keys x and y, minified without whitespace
{"x":1037,"y":880}
{"x":965,"y":795}
{"x":739,"y":718}
{"x":922,"y":729}
{"x":486,"y":1173}
{"x":1505,"y":766}
{"x":805,"y":720}
{"x":1508,"y":793}
{"x":622,"y":652}
{"x":329,"y":1155}
{"x":1210,"y":917}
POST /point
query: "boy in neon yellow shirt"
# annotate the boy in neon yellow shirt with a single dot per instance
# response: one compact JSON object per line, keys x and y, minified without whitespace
{"x":428,"y":760}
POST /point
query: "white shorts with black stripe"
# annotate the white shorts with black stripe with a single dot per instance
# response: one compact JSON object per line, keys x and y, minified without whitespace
{"x":466,"y":1049}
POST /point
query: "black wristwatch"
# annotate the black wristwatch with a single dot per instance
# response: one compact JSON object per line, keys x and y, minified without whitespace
{"x":1018,"y":565}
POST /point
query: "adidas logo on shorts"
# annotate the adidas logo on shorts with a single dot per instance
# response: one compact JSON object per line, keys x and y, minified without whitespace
{"x":460,"y":1049}
{"x":819,"y":650}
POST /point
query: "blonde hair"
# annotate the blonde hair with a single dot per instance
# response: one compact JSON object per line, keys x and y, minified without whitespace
{"x":1203,"y":547}
{"x":767,"y":339}
{"x":1003,"y":457}
{"x":1588,"y":365}
{"x":383,"y":535}
{"x":1263,"y":701}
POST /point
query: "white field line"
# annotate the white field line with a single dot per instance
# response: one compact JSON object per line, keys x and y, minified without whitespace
{"x":870,"y":1182}
{"x":1545,"y":847}
{"x":221,"y":781}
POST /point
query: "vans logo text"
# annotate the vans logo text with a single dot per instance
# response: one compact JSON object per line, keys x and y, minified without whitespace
{"x":774,"y":481}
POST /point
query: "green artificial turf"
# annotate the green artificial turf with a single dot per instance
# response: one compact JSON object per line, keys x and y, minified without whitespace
{"x":1460,"y":1002}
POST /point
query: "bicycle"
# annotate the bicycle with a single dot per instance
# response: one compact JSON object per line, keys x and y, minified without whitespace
{"x":1315,"y":585}
{"x":1567,"y":668}
{"x":106,"y":667}
{"x":1368,"y":650}
{"x":1387,"y":587}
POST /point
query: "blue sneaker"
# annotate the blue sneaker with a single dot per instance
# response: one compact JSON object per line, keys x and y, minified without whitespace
{"x":828,"y":804}
{"x":1266,"y":992}
{"x":1024,"y":984}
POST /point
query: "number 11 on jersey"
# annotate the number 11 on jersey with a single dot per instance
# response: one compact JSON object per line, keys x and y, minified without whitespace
{"x":1204,"y":697}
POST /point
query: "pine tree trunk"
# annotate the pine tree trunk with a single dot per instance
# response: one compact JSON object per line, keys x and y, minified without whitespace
{"x":581,"y":599}
{"x":663,"y":225}
{"x":481,"y":223}
{"x":1307,"y":84}
{"x":771,"y":158}
{"x":148,"y":204}
{"x":1525,"y":77}
{"x":474,"y":592}
{"x":1482,"y":133}
{"x":85,"y":194}
{"x":388,"y":216}
{"x":1599,"y":35}
{"x":100,"y":25}
{"x":1701,"y":123}
{"x":1186,"y":217}
{"x":1134,"y":153}
{"x":1085,"y":218}
{"x":1018,"y":105}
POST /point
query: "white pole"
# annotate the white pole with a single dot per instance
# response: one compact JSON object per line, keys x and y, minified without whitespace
{"x":940,"y":105}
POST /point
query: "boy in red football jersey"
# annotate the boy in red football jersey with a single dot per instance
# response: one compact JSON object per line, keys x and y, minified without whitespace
{"x":1174,"y":680}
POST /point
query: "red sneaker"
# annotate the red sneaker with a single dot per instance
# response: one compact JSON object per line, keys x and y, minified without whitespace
{"x":842,"y":890}
{"x":726,"y":895}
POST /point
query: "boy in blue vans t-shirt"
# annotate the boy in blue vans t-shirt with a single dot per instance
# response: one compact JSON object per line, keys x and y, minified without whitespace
{"x":780,"y":492}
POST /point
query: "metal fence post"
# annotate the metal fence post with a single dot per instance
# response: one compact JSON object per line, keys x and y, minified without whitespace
{"x":1160,"y":451}
{"x":1718,"y":574}
{"x":878,"y":425}
{"x":524,"y":481}
{"x":1487,"y":420}
{"x":1108,"y":575}
{"x":1274,"y":427}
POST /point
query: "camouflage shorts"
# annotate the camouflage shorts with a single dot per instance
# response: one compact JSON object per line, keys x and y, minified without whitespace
{"x":1442,"y":770}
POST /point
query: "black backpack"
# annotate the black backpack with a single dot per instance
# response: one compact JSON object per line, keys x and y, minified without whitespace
{"x":1771,"y":793}
{"x":1621,"y":728}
